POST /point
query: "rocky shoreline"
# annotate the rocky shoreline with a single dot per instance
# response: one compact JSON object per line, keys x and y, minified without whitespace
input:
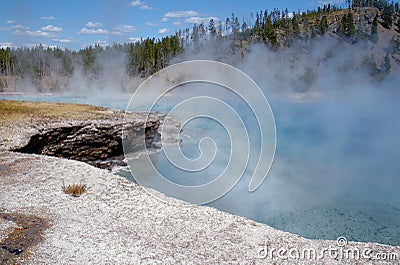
{"x":117,"y":222}
{"x":96,"y":143}
{"x":96,"y":140}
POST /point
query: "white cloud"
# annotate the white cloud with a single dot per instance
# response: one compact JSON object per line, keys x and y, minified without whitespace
{"x":52,"y":28}
{"x":136,"y":3}
{"x":140,"y":4}
{"x":135,"y":39}
{"x":5,"y":45}
{"x":125,"y":28}
{"x":181,"y":14}
{"x":186,"y":16}
{"x":10,"y":21}
{"x":29,"y":33}
{"x":198,"y":20}
{"x":151,"y":24}
{"x":145,"y":7}
{"x":163,"y":30}
{"x":63,"y":40}
{"x":20,"y":27}
{"x":91,"y":24}
{"x":86,"y":31}
{"x":47,"y":18}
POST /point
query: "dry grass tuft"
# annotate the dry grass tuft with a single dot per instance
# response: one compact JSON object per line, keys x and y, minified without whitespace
{"x":75,"y":190}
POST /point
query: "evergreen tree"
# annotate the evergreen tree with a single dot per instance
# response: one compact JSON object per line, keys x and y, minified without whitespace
{"x":347,"y":25}
{"x":374,"y":30}
{"x":235,"y":25}
{"x":220,"y":30}
{"x":269,"y":33}
{"x":387,"y":16}
{"x":227,"y":25}
{"x":212,"y":28}
{"x":369,"y":65}
{"x":295,"y":26}
{"x":323,"y":25}
{"x":386,"y":66}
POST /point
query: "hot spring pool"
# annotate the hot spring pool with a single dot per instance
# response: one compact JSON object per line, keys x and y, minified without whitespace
{"x":336,"y":170}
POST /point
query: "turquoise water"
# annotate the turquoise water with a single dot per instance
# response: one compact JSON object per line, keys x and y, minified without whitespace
{"x":336,"y":170}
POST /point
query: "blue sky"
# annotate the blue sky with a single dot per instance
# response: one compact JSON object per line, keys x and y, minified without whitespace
{"x":76,"y":24}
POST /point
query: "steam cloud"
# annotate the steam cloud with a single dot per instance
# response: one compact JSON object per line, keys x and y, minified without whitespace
{"x":335,"y":170}
{"x":109,"y":80}
{"x":337,"y":145}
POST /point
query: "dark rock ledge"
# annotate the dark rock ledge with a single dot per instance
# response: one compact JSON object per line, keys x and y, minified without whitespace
{"x":98,"y":143}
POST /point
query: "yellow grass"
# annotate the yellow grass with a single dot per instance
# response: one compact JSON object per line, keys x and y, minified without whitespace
{"x":20,"y":110}
{"x":75,"y":190}
{"x":28,"y":114}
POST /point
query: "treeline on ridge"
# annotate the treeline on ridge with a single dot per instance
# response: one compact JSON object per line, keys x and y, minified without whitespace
{"x":276,"y":29}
